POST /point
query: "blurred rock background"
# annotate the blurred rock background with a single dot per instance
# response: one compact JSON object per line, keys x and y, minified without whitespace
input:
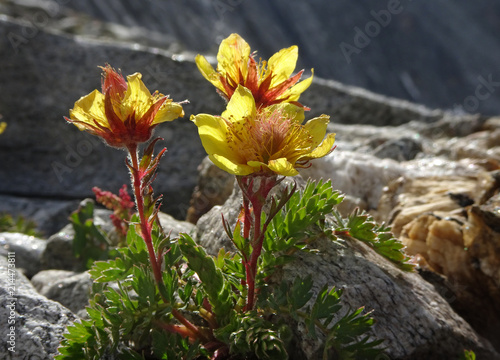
{"x":434,"y":53}
{"x":413,"y":90}
{"x":440,"y":54}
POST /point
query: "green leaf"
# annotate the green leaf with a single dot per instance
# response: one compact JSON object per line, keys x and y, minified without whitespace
{"x":362,"y":226}
{"x":468,"y":355}
{"x":250,"y":334}
{"x":167,"y":345}
{"x":89,"y":242}
{"x":111,"y":270}
{"x":170,"y":282}
{"x":301,"y":218}
{"x":326,"y":305}
{"x":348,"y":339}
{"x":300,"y":292}
{"x":186,"y":292}
{"x":19,"y":224}
{"x":212,"y":279}
{"x":239,"y":241}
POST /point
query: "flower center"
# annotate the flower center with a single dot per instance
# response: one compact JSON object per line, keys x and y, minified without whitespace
{"x":269,"y":136}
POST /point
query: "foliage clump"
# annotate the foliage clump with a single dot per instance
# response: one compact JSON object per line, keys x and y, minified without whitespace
{"x":159,"y":297}
{"x":18,"y":224}
{"x":130,"y":314}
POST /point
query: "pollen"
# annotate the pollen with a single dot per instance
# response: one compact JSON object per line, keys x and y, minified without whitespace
{"x":271,"y":135}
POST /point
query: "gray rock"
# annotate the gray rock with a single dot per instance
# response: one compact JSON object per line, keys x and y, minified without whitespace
{"x":68,"y":288}
{"x":360,"y":43}
{"x":400,"y":149}
{"x":174,"y":227}
{"x":56,"y":71}
{"x":214,"y":187}
{"x":353,"y":105}
{"x":413,"y":318}
{"x":450,"y":226}
{"x":210,"y":233}
{"x":38,"y":322}
{"x":362,"y":176}
{"x":49,"y":215}
{"x":58,"y":253}
{"x":452,"y":146}
{"x":28,"y":250}
{"x":450,"y":125}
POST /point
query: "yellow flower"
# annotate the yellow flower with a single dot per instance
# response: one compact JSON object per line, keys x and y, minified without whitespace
{"x":270,"y":82}
{"x":125,"y":113}
{"x":244,"y":141}
{"x":3,"y":125}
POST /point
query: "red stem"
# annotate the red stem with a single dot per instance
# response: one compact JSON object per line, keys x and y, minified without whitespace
{"x":146,"y":235}
{"x":139,"y":200}
{"x":252,"y":266}
{"x":257,"y":199}
{"x":246,"y":223}
{"x":192,"y":328}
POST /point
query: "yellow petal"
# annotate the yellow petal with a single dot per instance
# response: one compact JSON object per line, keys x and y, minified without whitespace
{"x":295,"y":91}
{"x":233,"y":56}
{"x":208,"y":71}
{"x":290,"y":111}
{"x":89,"y":108}
{"x":241,"y":106}
{"x":3,"y":125}
{"x":317,"y":129}
{"x":213,"y":135}
{"x":205,"y":68}
{"x":279,"y":166}
{"x":282,"y":64}
{"x":169,"y":111}
{"x":323,"y":149}
{"x":231,"y":166}
{"x":282,"y":166}
{"x":137,"y":98}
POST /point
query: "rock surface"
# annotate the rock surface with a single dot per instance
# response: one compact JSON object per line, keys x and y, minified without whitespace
{"x":441,"y":201}
{"x":454,"y":230}
{"x":412,"y":316}
{"x":38,"y":322}
{"x":213,"y":188}
{"x":433,"y":175}
{"x":28,"y":250}
{"x":58,"y":253}
{"x":68,"y":288}
{"x":49,"y":215}
{"x":362,"y":43}
{"x":65,"y":164}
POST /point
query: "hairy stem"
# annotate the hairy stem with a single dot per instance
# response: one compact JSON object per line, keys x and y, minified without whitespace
{"x":139,"y":200}
{"x":146,"y":235}
{"x":257,"y":199}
